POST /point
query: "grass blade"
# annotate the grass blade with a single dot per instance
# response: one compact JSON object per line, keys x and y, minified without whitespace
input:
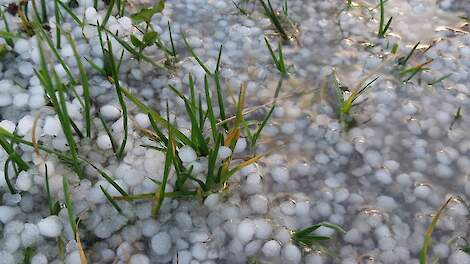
{"x":110,"y":200}
{"x":85,"y":85}
{"x":69,"y":205}
{"x":423,"y":253}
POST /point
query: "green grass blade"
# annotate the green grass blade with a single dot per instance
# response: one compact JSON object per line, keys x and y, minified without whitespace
{"x":111,"y":200}
{"x":50,"y":203}
{"x":85,"y":84}
{"x":7,"y":176}
{"x":108,"y":13}
{"x":69,"y":205}
{"x":423,"y":253}
{"x":160,"y":193}
{"x":404,"y":60}
{"x":144,"y":108}
{"x":70,"y":12}
{"x":108,"y":178}
{"x":210,"y":110}
{"x":194,"y":55}
{"x":120,"y":153}
{"x":22,"y":165}
{"x":108,"y":133}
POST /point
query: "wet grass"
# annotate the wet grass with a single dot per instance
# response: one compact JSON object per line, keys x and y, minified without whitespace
{"x":54,"y":89}
{"x":110,"y":200}
{"x":85,"y":85}
{"x":456,"y":117}
{"x":345,"y":104}
{"x":274,"y":18}
{"x":278,"y":59}
{"x":423,"y":253}
{"x":306,"y":237}
{"x":402,"y":61}
{"x":383,"y":27}
{"x":69,"y":205}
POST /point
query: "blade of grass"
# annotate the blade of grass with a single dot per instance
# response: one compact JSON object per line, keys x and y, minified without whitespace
{"x":159,"y":195}
{"x":144,"y":108}
{"x":69,"y":205}
{"x":272,"y":15}
{"x":210,"y":110}
{"x":22,"y":165}
{"x":50,"y":203}
{"x":108,"y":178}
{"x":7,"y":177}
{"x":108,"y":13}
{"x":85,"y":85}
{"x":81,"y":252}
{"x":108,"y":133}
{"x":440,"y":79}
{"x":71,"y":13}
{"x":423,"y":253}
{"x":122,"y":103}
{"x":110,"y":200}
{"x":404,"y":60}
{"x":267,"y":117}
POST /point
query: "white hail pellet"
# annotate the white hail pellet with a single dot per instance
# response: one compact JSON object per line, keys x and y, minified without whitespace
{"x":259,"y":203}
{"x":52,"y":126}
{"x":291,"y":254}
{"x":50,"y":226}
{"x":280,"y":174}
{"x":110,"y":112}
{"x":142,"y":120}
{"x":245,"y":230}
{"x":187,"y":154}
{"x":199,"y":251}
{"x":23,"y":181}
{"x":139,"y":259}
{"x":8,"y":125}
{"x":224,"y":152}
{"x":104,"y":142}
{"x":240,"y":146}
{"x":263,"y":229}
{"x":271,"y":248}
{"x":7,"y":213}
{"x":383,"y":176}
{"x":161,"y":243}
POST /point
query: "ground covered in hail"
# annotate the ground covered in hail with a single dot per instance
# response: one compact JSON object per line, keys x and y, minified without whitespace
{"x":244,"y":131}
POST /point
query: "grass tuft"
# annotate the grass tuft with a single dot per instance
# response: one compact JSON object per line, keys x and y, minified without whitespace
{"x":274,"y":18}
{"x":305,"y":238}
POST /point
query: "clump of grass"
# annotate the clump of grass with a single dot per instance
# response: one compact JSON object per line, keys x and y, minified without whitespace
{"x":383,"y":27}
{"x":306,"y":238}
{"x":275,"y":19}
{"x":346,"y":105}
{"x":277,"y":59}
{"x":205,"y":143}
{"x":85,"y":85}
{"x":423,"y":253}
{"x":65,"y":158}
{"x":55,"y":91}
